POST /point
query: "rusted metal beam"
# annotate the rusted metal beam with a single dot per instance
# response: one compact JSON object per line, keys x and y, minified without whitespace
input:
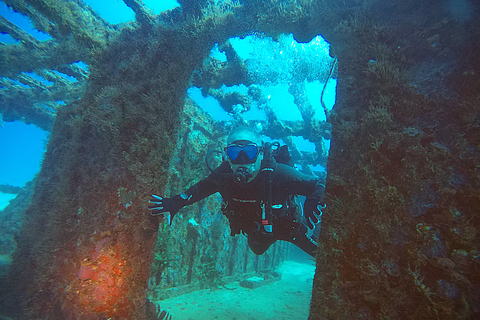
{"x":16,"y":104}
{"x":73,"y":70}
{"x":48,"y":55}
{"x":72,"y":19}
{"x":39,"y":21}
{"x":92,"y":13}
{"x":142,"y":13}
{"x":17,"y":33}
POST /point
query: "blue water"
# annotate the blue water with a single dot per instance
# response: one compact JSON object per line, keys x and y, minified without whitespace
{"x":265,"y":58}
{"x":21,"y":21}
{"x":23,"y":145}
{"x":116,"y":11}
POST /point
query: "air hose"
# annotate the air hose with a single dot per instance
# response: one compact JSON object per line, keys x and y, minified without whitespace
{"x":209,"y":152}
{"x":332,"y":68}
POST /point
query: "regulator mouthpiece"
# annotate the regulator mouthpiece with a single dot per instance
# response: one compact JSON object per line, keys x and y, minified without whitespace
{"x":242,"y":174}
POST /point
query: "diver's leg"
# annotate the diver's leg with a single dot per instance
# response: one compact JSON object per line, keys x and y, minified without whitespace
{"x":256,"y":247}
{"x":296,"y":233}
{"x":304,"y":237}
{"x":306,"y":244}
{"x":259,"y":242}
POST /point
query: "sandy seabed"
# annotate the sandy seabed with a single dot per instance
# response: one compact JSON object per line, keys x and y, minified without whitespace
{"x":286,"y":299}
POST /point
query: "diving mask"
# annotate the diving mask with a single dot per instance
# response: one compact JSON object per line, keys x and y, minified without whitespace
{"x":240,"y":153}
{"x":244,"y":159}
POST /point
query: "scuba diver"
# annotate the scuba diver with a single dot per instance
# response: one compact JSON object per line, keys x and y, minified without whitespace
{"x":261,"y":194}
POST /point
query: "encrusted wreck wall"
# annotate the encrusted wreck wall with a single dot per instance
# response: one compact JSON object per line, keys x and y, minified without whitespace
{"x":87,"y":242}
{"x":400,"y":235}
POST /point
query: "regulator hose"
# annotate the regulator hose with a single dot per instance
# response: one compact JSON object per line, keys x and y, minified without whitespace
{"x":206,"y":160}
{"x":325,"y":85}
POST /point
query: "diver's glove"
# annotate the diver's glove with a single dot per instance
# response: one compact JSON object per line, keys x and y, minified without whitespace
{"x":167,"y":207}
{"x":313,"y":211}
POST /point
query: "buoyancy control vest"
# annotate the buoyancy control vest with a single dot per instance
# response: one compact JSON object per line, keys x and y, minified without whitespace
{"x":242,"y":221}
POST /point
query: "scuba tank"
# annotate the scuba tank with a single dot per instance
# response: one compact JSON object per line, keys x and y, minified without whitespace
{"x":268,"y":164}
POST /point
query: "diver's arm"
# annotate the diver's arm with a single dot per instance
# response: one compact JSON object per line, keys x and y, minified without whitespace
{"x":297,"y":182}
{"x":201,"y":190}
{"x":207,"y":186}
{"x":309,"y":186}
{"x":168,"y":207}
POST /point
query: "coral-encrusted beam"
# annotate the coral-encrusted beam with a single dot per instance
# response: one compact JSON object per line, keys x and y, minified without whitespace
{"x":17,"y":33}
{"x":142,"y":13}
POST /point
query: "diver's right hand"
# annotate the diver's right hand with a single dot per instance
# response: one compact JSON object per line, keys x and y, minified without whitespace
{"x":167,"y":207}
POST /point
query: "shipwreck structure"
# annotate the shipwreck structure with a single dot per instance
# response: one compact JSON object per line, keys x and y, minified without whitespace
{"x":400,"y":235}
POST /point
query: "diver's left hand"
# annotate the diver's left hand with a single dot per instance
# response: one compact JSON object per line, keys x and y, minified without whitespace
{"x":167,"y":207}
{"x":312,"y":211}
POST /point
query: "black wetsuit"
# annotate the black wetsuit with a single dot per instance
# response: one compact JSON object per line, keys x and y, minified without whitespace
{"x":243,"y":204}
